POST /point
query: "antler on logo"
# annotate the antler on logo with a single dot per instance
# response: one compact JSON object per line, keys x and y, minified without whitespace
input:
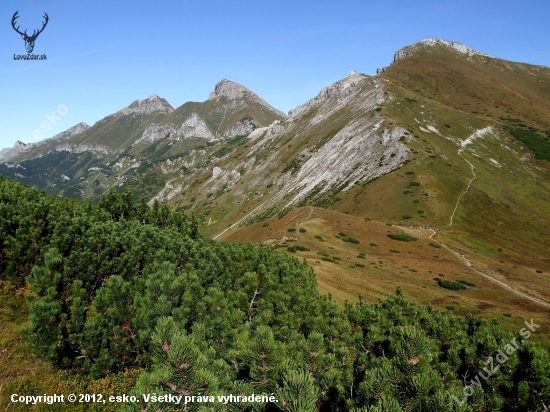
{"x":29,"y":40}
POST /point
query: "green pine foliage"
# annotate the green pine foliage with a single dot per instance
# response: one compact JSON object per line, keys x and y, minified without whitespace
{"x":296,"y":248}
{"x":121,"y":285}
{"x":467,"y":283}
{"x":401,"y":237}
{"x":529,"y":136}
{"x":299,"y":393}
{"x":447,"y":284}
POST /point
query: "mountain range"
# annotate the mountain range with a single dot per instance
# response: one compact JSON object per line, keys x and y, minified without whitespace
{"x":446,"y":145}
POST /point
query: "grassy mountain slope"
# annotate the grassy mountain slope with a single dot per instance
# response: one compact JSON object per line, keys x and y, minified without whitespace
{"x":458,"y":112}
{"x":377,"y":263}
{"x":505,"y":215}
{"x":223,"y":113}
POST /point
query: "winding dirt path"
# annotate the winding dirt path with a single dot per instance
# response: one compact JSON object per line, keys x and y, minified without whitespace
{"x":466,"y":262}
{"x":468,"y":188}
{"x":311,"y":211}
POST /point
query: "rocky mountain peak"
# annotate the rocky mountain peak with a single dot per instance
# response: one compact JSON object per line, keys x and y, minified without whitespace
{"x":10,"y":152}
{"x":81,"y":125}
{"x":235,"y":91}
{"x":151,"y":105}
{"x":459,"y":47}
{"x":76,"y":129}
{"x":229,"y":89}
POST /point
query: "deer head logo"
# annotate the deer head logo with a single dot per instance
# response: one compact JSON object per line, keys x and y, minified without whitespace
{"x":29,"y":40}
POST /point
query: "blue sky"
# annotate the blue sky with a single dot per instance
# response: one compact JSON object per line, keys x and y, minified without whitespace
{"x":102,"y":55}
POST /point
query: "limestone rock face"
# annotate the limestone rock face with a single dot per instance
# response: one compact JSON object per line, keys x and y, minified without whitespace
{"x":10,"y":152}
{"x":194,"y":126}
{"x":340,"y":88}
{"x":80,"y":148}
{"x":275,"y":128}
{"x":19,"y":147}
{"x":360,"y":150}
{"x":241,"y":128}
{"x":224,"y":179}
{"x":401,"y":54}
{"x":259,"y":132}
{"x":390,"y":136}
{"x":216,"y":172}
{"x":459,"y":47}
{"x":155,"y":132}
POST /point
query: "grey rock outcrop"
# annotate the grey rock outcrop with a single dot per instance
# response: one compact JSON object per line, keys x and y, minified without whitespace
{"x":390,"y":136}
{"x":275,"y":128}
{"x":194,"y":126}
{"x":154,"y":132}
{"x":459,"y":47}
{"x":20,"y":147}
{"x":340,"y":88}
{"x":241,"y":128}
{"x":80,"y":148}
{"x":401,"y":54}
{"x":10,"y":152}
{"x":361,"y":150}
